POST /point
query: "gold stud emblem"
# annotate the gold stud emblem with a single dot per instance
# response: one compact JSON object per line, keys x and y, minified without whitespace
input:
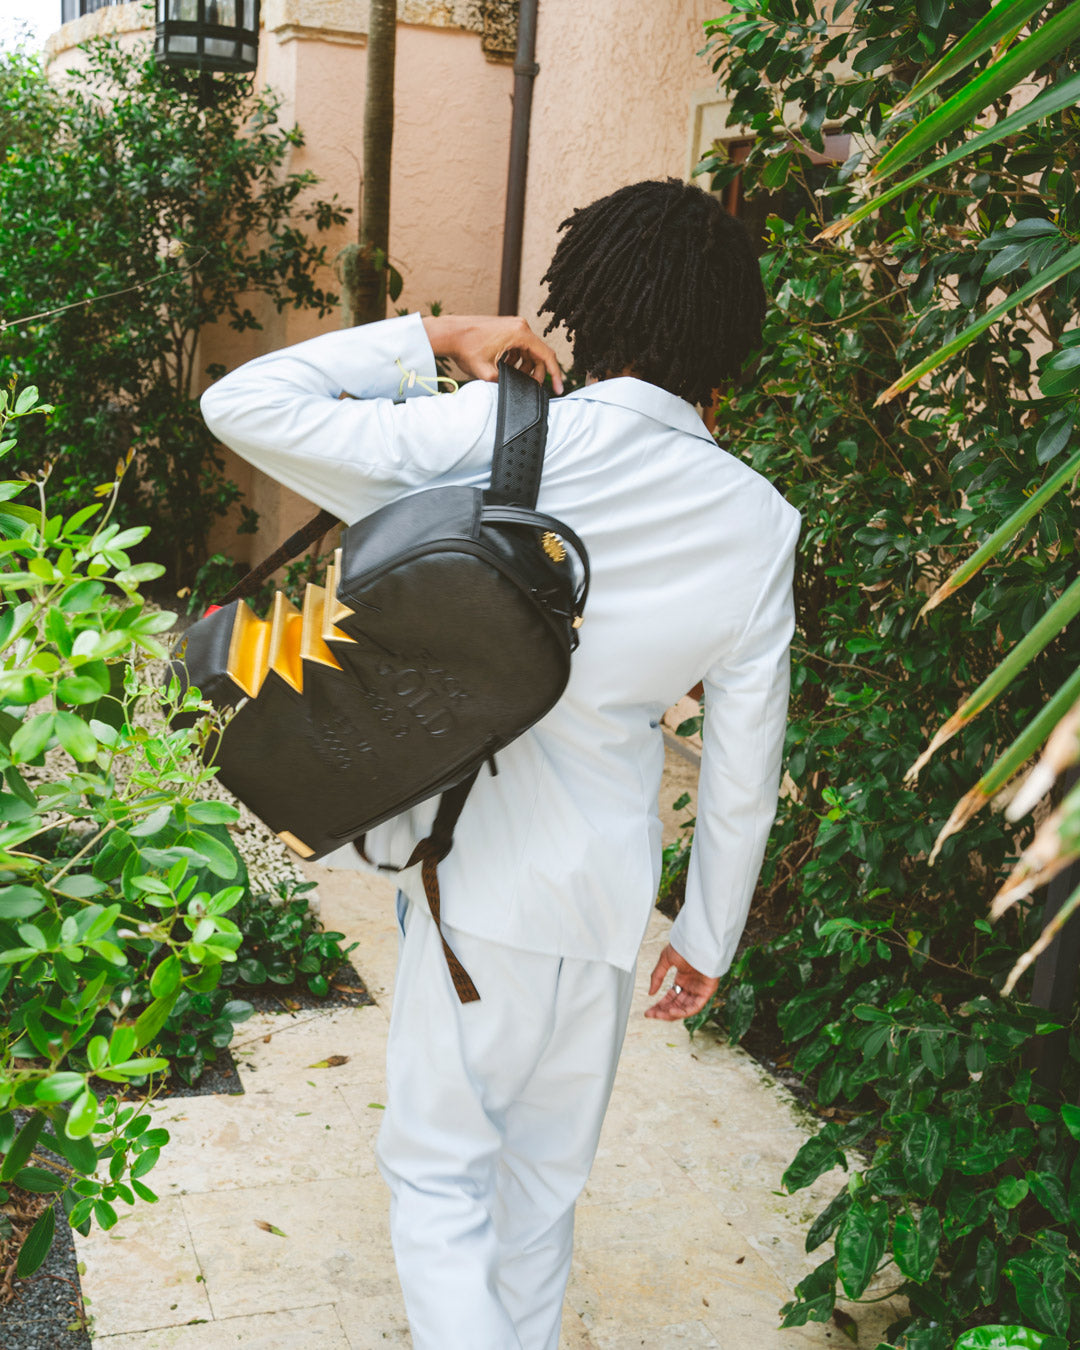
{"x":553,"y":546}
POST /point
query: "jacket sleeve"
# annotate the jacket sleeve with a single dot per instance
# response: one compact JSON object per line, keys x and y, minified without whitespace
{"x":284,"y":413}
{"x":746,"y":697}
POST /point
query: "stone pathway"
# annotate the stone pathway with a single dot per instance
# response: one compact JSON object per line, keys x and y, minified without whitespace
{"x":683,"y":1238}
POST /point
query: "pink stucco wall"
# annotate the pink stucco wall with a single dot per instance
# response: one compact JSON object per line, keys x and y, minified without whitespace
{"x":451,"y":140}
{"x":611,"y":106}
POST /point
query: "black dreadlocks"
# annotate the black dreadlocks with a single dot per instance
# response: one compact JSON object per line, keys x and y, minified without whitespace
{"x":657,"y":278}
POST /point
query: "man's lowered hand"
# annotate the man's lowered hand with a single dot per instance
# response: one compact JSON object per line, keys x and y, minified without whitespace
{"x":687,"y":996}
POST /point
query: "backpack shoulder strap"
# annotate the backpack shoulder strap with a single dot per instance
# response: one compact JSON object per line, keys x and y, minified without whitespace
{"x":316,"y":527}
{"x":520,"y":438}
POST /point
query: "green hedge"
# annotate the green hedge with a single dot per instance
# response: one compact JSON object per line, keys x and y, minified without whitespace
{"x":883,"y":973}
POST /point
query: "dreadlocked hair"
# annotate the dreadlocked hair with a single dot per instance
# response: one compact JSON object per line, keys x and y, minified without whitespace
{"x":658,"y":279}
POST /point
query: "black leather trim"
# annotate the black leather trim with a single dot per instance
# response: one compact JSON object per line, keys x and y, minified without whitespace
{"x":515,"y":515}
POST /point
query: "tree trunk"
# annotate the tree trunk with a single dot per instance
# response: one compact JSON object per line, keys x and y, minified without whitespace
{"x":363,"y":267}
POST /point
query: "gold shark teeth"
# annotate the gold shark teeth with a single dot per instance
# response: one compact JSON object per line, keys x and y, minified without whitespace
{"x":289,"y":638}
{"x":249,"y":647}
{"x":297,"y":845}
{"x":312,"y":645}
{"x":285,"y":628}
{"x":333,"y":610}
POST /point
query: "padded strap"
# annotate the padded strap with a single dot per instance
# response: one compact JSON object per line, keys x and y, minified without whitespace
{"x":520,"y":438}
{"x":316,"y":527}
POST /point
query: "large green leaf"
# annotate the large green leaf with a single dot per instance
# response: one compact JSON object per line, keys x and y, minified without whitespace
{"x":815,"y":1297}
{"x":860,"y":1245}
{"x":1068,"y":262}
{"x":80,"y":1153}
{"x":1063,"y":915}
{"x":14,"y":518}
{"x":153,"y":1017}
{"x":1001,"y":1337}
{"x":1004,"y":532}
{"x":38,"y":1179}
{"x":999,"y":78}
{"x":1032,"y":736}
{"x":924,"y":1148}
{"x":1011,"y":760}
{"x":36,"y":1244}
{"x":1039,"y":635}
{"x":1039,"y":1281}
{"x":1064,"y":94}
{"x":915,"y":1243}
{"x":818,"y":1155}
{"x":827,"y":1221}
{"x":1006,"y":18}
{"x":23,"y":1146}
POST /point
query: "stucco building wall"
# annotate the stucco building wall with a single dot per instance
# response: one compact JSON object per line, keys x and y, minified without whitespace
{"x":621,"y":95}
{"x":612,"y":105}
{"x":451,"y":141}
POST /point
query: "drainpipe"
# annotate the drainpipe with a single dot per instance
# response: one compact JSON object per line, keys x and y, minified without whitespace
{"x":525,"y":71}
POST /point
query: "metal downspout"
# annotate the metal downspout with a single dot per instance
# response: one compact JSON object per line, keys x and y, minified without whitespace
{"x":525,"y":72}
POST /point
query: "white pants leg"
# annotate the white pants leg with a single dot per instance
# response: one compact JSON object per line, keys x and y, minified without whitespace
{"x":493,"y":1115}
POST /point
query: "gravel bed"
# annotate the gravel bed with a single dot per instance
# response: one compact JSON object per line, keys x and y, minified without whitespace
{"x":47,"y":1312}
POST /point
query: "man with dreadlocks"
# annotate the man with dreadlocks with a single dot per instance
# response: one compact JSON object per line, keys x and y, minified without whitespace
{"x":495,"y":1107}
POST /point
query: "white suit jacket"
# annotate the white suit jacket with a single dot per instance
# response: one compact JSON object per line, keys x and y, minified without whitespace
{"x":692,"y":556}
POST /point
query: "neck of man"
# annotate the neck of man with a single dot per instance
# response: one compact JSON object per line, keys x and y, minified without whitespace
{"x":613,"y":375}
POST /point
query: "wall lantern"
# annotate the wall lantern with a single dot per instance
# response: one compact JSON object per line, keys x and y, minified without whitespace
{"x":208,"y":35}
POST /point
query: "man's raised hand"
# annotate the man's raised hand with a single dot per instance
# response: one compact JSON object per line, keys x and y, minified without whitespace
{"x":687,"y":996}
{"x":477,"y":343}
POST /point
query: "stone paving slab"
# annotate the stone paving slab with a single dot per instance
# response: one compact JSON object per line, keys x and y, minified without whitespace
{"x":683,"y":1237}
{"x":264,"y":1331}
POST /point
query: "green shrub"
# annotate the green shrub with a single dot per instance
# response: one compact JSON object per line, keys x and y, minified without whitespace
{"x":120,"y":886}
{"x":148,"y":215}
{"x":112,"y":870}
{"x":883,"y":974}
{"x":285,"y":943}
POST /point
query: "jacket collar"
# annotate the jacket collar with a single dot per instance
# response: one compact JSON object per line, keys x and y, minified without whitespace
{"x":624,"y":391}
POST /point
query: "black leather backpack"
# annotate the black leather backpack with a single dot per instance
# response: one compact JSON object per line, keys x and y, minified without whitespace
{"x":443,"y":632}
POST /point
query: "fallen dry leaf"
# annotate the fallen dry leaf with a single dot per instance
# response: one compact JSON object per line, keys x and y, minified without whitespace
{"x":269,"y":1228}
{"x":330,"y":1062}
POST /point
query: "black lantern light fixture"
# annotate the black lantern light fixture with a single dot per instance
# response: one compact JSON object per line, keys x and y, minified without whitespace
{"x":208,"y":35}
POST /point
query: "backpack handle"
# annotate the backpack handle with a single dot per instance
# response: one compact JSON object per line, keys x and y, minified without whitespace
{"x":520,"y":439}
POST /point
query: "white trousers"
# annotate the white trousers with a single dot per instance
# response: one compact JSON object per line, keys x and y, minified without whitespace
{"x":493,"y":1115}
